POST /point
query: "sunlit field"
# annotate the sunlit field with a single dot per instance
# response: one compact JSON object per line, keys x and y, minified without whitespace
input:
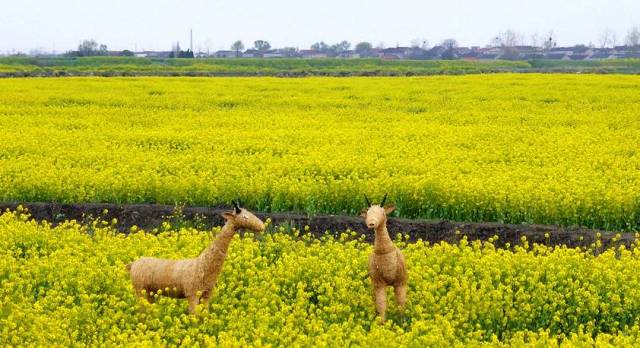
{"x":68,"y":286}
{"x":553,"y":149}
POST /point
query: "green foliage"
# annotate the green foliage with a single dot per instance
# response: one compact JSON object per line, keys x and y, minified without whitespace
{"x":261,"y":45}
{"x":245,"y":66}
{"x":108,"y":66}
{"x":363,"y":47}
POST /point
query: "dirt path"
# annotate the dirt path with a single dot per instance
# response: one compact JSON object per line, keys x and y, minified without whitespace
{"x":148,"y":216}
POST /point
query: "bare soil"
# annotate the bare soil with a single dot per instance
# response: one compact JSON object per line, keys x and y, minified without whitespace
{"x":149,"y":216}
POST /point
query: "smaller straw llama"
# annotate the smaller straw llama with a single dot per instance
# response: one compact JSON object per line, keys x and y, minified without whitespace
{"x":387,"y":266}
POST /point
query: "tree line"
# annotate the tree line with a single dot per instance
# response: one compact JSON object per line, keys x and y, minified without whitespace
{"x":508,"y":40}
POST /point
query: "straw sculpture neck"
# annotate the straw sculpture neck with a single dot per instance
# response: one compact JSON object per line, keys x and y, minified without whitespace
{"x":387,"y":266}
{"x":213,"y":257}
{"x":382,"y":243}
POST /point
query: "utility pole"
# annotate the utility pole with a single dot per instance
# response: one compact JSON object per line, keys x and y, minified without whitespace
{"x":191,"y":40}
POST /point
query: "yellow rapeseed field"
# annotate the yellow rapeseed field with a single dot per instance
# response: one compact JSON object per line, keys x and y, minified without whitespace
{"x":510,"y":148}
{"x":67,"y":286}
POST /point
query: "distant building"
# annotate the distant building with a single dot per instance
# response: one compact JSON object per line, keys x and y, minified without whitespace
{"x":602,"y":54}
{"x":274,"y":54}
{"x":418,"y":53}
{"x":394,"y":53}
{"x":526,"y":49}
{"x":581,"y":50}
{"x":520,"y":52}
{"x":557,"y":55}
{"x":349,"y":54}
{"x":312,"y":54}
{"x":532,"y":55}
{"x":153,"y":54}
{"x":488,"y":56}
{"x":435,"y":52}
{"x":252,"y":53}
{"x":578,"y":56}
{"x":227,"y":54}
{"x":371,"y":53}
{"x":471,"y":55}
{"x":493,"y":50}
{"x":628,"y":55}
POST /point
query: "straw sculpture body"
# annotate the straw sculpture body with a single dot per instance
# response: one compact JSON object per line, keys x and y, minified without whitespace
{"x":193,"y":279}
{"x":387,"y":266}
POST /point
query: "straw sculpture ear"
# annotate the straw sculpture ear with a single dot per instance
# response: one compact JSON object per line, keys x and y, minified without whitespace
{"x":384,"y":199}
{"x":236,"y":206}
{"x":388,"y":210}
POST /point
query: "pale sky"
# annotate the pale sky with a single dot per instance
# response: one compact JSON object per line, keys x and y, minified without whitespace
{"x":155,"y":25}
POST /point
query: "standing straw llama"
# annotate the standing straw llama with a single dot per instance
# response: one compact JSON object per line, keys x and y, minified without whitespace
{"x":193,"y":279}
{"x":387,"y":266}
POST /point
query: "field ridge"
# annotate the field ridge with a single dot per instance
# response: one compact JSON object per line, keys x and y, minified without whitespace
{"x":294,"y":67}
{"x":150,"y":216}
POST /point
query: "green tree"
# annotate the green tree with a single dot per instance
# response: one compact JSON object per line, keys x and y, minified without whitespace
{"x":261,"y":45}
{"x":320,"y":47}
{"x":450,"y":46}
{"x":633,"y":38}
{"x":341,"y":47}
{"x":363,"y":48}
{"x":289,"y":51}
{"x":185,"y":54}
{"x":237,"y":46}
{"x":91,"y":48}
